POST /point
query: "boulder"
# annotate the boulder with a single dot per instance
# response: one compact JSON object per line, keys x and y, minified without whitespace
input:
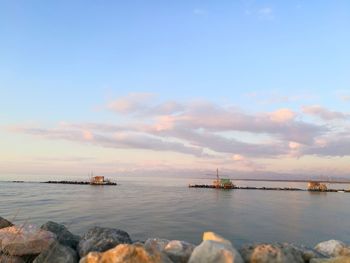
{"x":271,"y":253}
{"x":65,"y":237}
{"x":11,"y":259}
{"x":215,"y":237}
{"x":100,"y":239}
{"x":333,"y":248}
{"x":137,"y":241}
{"x":308,"y":253}
{"x":57,"y":253}
{"x":4,"y":223}
{"x":126,"y":253}
{"x":25,"y":240}
{"x":178,"y":251}
{"x":345,"y":259}
{"x":215,"y":249}
{"x":156,"y":243}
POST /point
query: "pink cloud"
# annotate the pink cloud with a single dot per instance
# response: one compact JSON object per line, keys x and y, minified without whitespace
{"x":143,"y":104}
{"x":87,"y":135}
{"x":335,"y":145}
{"x":324,"y":113}
{"x":213,"y":118}
{"x":122,"y":140}
{"x":282,"y":115}
{"x":238,"y":157}
{"x":131,"y":103}
{"x":202,"y":128}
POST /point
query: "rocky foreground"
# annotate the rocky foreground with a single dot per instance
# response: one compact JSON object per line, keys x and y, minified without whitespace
{"x":53,"y":243}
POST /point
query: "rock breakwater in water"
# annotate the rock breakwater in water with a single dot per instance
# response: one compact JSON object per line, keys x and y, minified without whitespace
{"x":54,"y":243}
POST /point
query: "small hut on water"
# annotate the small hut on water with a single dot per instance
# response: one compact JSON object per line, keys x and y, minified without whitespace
{"x":316,"y":186}
{"x":97,"y":180}
{"x":100,"y":180}
{"x":222,"y":182}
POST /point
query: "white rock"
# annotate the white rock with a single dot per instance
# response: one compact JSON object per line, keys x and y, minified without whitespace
{"x":215,"y":237}
{"x":215,"y":249}
{"x":333,"y":248}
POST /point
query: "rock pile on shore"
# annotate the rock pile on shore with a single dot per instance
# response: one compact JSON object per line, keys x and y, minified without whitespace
{"x":54,"y":243}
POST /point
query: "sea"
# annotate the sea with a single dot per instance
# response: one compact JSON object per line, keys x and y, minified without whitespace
{"x":168,"y":208}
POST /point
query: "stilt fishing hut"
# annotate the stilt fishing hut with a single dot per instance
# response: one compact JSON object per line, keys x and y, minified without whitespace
{"x":222,"y":182}
{"x":316,"y":186}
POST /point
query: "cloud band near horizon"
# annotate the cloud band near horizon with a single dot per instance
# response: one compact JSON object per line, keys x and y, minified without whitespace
{"x":209,"y":132}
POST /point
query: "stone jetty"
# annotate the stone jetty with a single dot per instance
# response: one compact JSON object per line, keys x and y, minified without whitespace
{"x":265,"y":188}
{"x":76,"y":182}
{"x":54,"y":243}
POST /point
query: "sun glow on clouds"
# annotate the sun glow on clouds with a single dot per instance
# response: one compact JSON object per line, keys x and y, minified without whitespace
{"x":238,"y":157}
{"x":200,"y":132}
{"x":282,"y":115}
{"x":88,"y":135}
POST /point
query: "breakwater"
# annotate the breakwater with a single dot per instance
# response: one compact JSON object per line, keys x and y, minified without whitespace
{"x":77,"y":182}
{"x":53,"y":242}
{"x":264,"y":188}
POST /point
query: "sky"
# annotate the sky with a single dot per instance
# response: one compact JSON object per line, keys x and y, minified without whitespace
{"x":174,"y":88}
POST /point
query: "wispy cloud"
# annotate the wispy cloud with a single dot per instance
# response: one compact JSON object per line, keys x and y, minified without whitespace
{"x":208,"y":131}
{"x":142,"y":104}
{"x":324,"y":113}
{"x":337,"y":145}
{"x":117,"y":140}
{"x":266,"y":13}
{"x":345,"y":97}
{"x":274,"y":97}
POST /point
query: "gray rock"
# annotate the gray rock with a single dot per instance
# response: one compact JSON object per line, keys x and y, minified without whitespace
{"x":308,"y":253}
{"x":271,"y":253}
{"x":25,"y":240}
{"x":57,"y":253}
{"x":177,"y":251}
{"x":215,"y":249}
{"x":333,"y":248}
{"x":156,"y":243}
{"x":65,"y":237}
{"x":214,"y":252}
{"x":11,"y":259}
{"x":142,"y":242}
{"x":4,"y":223}
{"x":100,"y":239}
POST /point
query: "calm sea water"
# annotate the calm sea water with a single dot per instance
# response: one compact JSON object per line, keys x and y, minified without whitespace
{"x":163,"y":208}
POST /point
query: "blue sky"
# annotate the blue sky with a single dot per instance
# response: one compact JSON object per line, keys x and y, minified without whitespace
{"x":67,"y":61}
